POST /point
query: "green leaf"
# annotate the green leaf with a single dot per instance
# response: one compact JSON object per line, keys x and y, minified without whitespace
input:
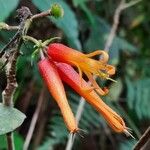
{"x":98,"y":36}
{"x":68,"y":23}
{"x":18,"y":141}
{"x":6,"y":7}
{"x":88,"y":13}
{"x":138,"y":93}
{"x":78,"y":2}
{"x":10,"y":119}
{"x":127,"y":145}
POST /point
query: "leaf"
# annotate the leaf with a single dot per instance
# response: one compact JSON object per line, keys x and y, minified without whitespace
{"x":10,"y":119}
{"x":98,"y":36}
{"x":127,"y":145}
{"x":88,"y":14}
{"x":68,"y":23}
{"x":18,"y":141}
{"x":137,"y":21}
{"x":138,"y":93}
{"x":6,"y":7}
{"x":78,"y":2}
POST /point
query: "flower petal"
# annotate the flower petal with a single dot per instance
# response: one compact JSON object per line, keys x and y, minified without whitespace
{"x":49,"y":73}
{"x":72,"y":78}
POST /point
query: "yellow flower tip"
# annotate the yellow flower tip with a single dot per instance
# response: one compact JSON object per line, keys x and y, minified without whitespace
{"x":110,"y":69}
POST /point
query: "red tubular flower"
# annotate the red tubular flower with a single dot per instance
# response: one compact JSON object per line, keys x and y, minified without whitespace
{"x":72,"y":78}
{"x":49,"y":73}
{"x":61,"y":53}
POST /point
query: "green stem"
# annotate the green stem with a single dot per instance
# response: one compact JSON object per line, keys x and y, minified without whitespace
{"x":50,"y":40}
{"x":29,"y":38}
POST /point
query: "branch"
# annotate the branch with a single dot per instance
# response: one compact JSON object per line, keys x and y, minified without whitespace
{"x":42,"y":14}
{"x":107,"y":46}
{"x":10,"y":140}
{"x":5,"y":26}
{"x":34,"y":120}
{"x":23,"y":15}
{"x":14,"y":46}
{"x":143,"y":140}
{"x":115,"y":25}
{"x":11,"y":56}
{"x":11,"y":80}
{"x":116,"y":18}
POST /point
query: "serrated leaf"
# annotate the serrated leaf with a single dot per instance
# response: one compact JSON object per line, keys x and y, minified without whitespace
{"x":68,"y":23}
{"x":6,"y":7}
{"x":10,"y":119}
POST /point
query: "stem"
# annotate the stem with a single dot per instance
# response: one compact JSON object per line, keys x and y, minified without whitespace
{"x":10,"y":141}
{"x":5,"y":26}
{"x":143,"y":140}
{"x":13,"y":54}
{"x":30,"y":38}
{"x":42,"y":14}
{"x":7,"y":94}
{"x":114,"y":27}
{"x":50,"y":40}
{"x":127,"y":5}
{"x":78,"y":116}
{"x":34,"y":121}
{"x":42,"y":54}
{"x":13,"y":28}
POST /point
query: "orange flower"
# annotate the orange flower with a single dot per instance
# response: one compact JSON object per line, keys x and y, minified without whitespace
{"x":49,"y":73}
{"x":84,"y":63}
{"x":59,"y":67}
{"x":72,"y":78}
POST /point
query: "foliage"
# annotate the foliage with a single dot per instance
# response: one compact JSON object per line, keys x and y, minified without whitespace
{"x":10,"y":119}
{"x":127,"y":145}
{"x":70,"y":28}
{"x":86,"y":25}
{"x":7,"y":7}
{"x":18,"y":141}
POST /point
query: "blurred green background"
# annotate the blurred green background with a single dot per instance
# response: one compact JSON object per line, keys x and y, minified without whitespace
{"x":85,"y":26}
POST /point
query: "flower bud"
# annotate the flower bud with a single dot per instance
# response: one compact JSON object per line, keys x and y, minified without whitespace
{"x":57,"y":11}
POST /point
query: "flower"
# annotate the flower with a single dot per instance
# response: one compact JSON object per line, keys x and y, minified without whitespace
{"x":84,"y":63}
{"x":72,"y":78}
{"x":59,"y":66}
{"x":49,"y":73}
